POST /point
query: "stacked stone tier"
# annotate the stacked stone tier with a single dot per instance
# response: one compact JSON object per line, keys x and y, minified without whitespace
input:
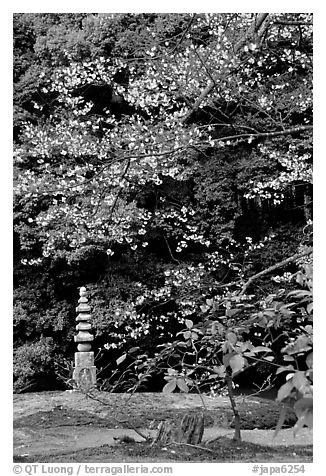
{"x":84,"y":370}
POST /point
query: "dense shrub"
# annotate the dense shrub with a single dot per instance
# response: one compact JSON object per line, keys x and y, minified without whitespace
{"x":33,"y":364}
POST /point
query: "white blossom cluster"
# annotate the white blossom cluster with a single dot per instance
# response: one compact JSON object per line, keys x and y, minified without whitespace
{"x":296,"y":168}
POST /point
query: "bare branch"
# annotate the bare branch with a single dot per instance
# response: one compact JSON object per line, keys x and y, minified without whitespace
{"x":191,"y":446}
{"x":124,"y":422}
{"x":278,"y":265}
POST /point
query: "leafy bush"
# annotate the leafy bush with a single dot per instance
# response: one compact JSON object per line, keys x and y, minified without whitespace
{"x":32,"y":362}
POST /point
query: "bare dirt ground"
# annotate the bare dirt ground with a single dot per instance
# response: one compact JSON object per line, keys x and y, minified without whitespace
{"x":69,"y":427}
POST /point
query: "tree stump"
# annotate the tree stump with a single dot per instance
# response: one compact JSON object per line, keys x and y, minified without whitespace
{"x":189,"y":431}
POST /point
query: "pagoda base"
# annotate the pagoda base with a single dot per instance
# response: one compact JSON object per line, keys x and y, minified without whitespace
{"x":84,"y":374}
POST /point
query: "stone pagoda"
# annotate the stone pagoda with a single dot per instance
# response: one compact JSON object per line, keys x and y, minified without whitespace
{"x":84,"y":374}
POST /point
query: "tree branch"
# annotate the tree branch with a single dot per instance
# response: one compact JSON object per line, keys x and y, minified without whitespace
{"x":294,"y":23}
{"x":120,"y":189}
{"x":254,"y":29}
{"x":278,"y":265}
{"x":259,"y":135}
{"x":184,"y":33}
{"x":191,"y":446}
{"x":167,"y":244}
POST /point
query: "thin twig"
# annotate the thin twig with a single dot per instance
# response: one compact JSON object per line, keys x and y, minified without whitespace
{"x":191,"y":446}
{"x":184,"y":34}
{"x":131,"y":425}
{"x":172,"y":257}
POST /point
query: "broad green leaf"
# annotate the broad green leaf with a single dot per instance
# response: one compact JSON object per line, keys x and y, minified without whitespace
{"x":285,"y":390}
{"x":261,"y":348}
{"x":245,"y":346}
{"x":249,"y":354}
{"x":299,"y":278}
{"x":231,"y":337}
{"x":187,"y":334}
{"x":204,"y":308}
{"x":237,"y":363}
{"x":219,"y":370}
{"x":288,"y":358}
{"x":132,"y":350}
{"x":289,"y":376}
{"x":309,"y":360}
{"x":170,"y":386}
{"x":172,"y":372}
{"x":182,"y":385}
{"x":284,"y":369}
{"x":121,"y":359}
{"x":300,"y":381}
{"x":286,"y":312}
{"x":213,"y":376}
{"x":299,"y":293}
{"x":309,"y":329}
{"x":227,"y":357}
{"x":189,"y":323}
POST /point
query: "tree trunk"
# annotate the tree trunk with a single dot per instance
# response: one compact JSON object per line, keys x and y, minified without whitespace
{"x":189,"y":431}
{"x":237,"y":420}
